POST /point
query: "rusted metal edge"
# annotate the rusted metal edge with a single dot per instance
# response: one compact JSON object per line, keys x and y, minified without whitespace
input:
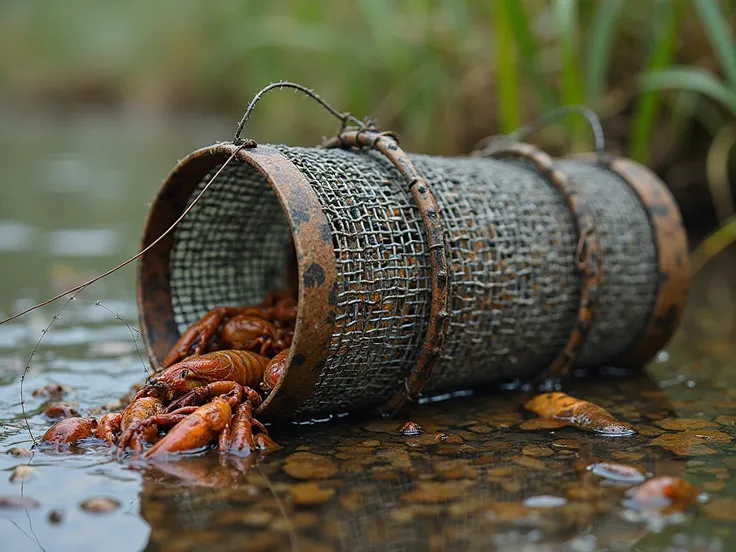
{"x":672,"y":256}
{"x":386,"y":144}
{"x":316,"y":265}
{"x":588,"y":255}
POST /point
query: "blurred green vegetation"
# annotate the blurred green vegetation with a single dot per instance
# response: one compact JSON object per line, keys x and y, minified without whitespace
{"x":443,"y":73}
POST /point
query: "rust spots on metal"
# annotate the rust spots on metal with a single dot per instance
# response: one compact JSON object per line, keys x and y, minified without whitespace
{"x":386,"y":144}
{"x":588,"y":255}
{"x":672,"y":256}
{"x":314,"y":263}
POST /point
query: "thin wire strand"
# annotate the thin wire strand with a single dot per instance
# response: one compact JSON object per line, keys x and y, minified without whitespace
{"x":293,"y":538}
{"x":557,"y":114}
{"x":80,"y":287}
{"x":134,"y":332}
{"x":56,"y":317}
{"x":344,"y":118}
{"x":26,"y":534}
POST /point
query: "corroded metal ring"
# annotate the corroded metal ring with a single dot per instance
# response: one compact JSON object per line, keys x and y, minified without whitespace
{"x":588,"y":258}
{"x":386,"y":143}
{"x":673,"y":261}
{"x":316,"y":266}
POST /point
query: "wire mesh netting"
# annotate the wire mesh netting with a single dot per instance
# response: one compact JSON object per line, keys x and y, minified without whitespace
{"x":511,"y":242}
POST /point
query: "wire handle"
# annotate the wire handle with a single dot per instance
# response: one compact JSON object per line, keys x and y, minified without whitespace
{"x":344,"y":118}
{"x":493,"y":142}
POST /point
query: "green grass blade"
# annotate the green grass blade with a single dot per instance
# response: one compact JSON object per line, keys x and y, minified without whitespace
{"x":720,"y":36}
{"x":506,"y":69}
{"x":696,"y":80}
{"x":565,"y":15}
{"x":719,"y":240}
{"x":602,"y":33}
{"x":528,"y":52}
{"x":646,"y":112}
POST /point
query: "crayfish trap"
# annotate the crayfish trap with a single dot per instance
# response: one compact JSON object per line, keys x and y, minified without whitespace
{"x":418,"y":274}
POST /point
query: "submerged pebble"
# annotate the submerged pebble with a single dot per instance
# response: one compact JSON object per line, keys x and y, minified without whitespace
{"x":100,"y":505}
{"x":544,"y":501}
{"x":307,"y":465}
{"x":307,"y":494}
{"x":17,"y":502}
{"x":60,"y":410}
{"x":22,"y":473}
{"x":19,"y":452}
{"x":411,"y":428}
{"x":51,"y":391}
{"x":620,"y":473}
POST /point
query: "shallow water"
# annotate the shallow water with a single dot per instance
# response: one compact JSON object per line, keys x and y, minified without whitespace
{"x":75,"y":191}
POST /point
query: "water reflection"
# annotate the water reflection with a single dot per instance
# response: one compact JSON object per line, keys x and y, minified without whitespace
{"x":370,"y":487}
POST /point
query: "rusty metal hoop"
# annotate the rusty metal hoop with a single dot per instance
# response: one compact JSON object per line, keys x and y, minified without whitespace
{"x":387,"y":144}
{"x":672,"y":254}
{"x":316,"y":266}
{"x":588,"y":254}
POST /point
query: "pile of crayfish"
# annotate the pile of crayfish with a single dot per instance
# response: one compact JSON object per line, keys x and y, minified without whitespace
{"x":215,"y":376}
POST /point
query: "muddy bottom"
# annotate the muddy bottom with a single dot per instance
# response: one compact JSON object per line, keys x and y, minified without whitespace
{"x":482,"y":473}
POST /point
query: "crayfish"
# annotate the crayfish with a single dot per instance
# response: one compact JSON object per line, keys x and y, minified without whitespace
{"x":210,"y":382}
{"x":267,"y":329}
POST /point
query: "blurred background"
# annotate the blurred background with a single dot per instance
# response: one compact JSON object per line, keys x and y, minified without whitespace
{"x":443,"y":73}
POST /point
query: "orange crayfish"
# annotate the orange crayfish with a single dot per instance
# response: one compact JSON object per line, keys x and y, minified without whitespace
{"x":228,"y":375}
{"x":267,"y":329}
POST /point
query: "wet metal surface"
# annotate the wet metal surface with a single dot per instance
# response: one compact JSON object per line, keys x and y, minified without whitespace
{"x":481,"y":473}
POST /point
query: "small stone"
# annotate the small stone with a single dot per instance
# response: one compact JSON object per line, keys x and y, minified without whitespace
{"x":536,"y":451}
{"x":307,"y":465}
{"x":51,"y":390}
{"x":722,"y":509}
{"x":308,"y":494}
{"x":431,"y":493}
{"x":22,"y":473}
{"x":683,"y":424}
{"x":56,"y":516}
{"x":256,"y":518}
{"x":411,"y":428}
{"x":500,"y":473}
{"x":714,"y":486}
{"x":627,"y":456}
{"x":541,"y":423}
{"x":691,"y":443}
{"x":620,"y":473}
{"x":100,"y":505}
{"x":544,"y":501}
{"x":481,"y":429}
{"x":60,"y":411}
{"x":528,"y":462}
{"x":572,"y":444}
{"x":17,"y":502}
{"x":448,"y":438}
{"x":726,"y":420}
{"x":20,"y":452}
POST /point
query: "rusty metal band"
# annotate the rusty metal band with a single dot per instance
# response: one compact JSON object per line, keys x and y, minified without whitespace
{"x":386,"y":144}
{"x":588,"y":255}
{"x":672,"y":255}
{"x":317,"y":270}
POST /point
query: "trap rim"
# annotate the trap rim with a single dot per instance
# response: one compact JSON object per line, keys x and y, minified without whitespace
{"x":316,"y":265}
{"x":673,"y":260}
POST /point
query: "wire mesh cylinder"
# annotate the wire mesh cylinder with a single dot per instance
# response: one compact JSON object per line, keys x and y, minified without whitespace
{"x":340,"y":228}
